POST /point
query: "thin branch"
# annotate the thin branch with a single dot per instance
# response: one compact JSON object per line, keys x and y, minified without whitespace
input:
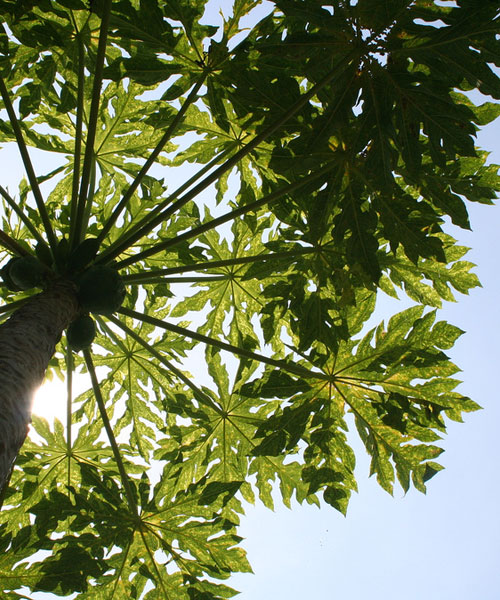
{"x":171,"y":280}
{"x":230,"y":216}
{"x":79,"y":125}
{"x":90,"y":195}
{"x":69,"y":401}
{"x":172,"y":128}
{"x":23,"y":150}
{"x":159,"y":574}
{"x":199,"y":395}
{"x":144,"y":276}
{"x":10,"y":244}
{"x":22,"y":216}
{"x":109,"y":430}
{"x":281,"y":364}
{"x":7,"y":308}
{"x":78,"y":225}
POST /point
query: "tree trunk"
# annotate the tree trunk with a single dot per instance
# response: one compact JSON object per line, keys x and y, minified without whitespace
{"x":27,"y":342}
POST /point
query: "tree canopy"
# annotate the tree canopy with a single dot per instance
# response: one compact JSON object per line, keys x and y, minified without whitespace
{"x":254,"y":181}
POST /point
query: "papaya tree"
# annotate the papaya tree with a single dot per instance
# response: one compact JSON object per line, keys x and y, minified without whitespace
{"x":228,"y":196}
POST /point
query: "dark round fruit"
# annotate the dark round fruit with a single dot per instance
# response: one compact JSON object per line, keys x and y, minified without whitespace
{"x":7,"y":278}
{"x":81,"y":333}
{"x":83,"y":254}
{"x":44,"y":254}
{"x":26,"y":272}
{"x":101,"y":290}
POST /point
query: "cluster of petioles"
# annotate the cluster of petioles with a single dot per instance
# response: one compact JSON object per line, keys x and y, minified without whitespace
{"x":99,"y":287}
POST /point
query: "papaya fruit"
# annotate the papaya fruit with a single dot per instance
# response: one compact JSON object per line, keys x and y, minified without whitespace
{"x":62,"y":254}
{"x":81,"y":332}
{"x":26,"y":272}
{"x":7,"y":278}
{"x":83,"y":254}
{"x":44,"y":254}
{"x":101,"y":290}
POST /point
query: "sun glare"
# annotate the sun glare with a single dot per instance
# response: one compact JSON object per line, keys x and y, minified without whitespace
{"x":50,"y":400}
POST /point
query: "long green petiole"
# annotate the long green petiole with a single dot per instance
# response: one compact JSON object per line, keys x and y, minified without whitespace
{"x":194,"y":335}
{"x":79,"y":224}
{"x":10,"y":244}
{"x":230,"y":216}
{"x":11,"y":306}
{"x":172,"y":280}
{"x":172,"y":128}
{"x":135,"y":233}
{"x":199,"y":395}
{"x":109,"y":430}
{"x":78,"y":126}
{"x":145,"y":276}
{"x":23,"y":150}
{"x":21,"y":214}
{"x":69,"y":402}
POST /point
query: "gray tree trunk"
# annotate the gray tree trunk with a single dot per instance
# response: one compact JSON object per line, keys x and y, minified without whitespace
{"x":27,"y":343}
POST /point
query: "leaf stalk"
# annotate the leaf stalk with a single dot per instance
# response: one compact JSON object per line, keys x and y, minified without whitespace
{"x":10,"y":244}
{"x":147,"y":223}
{"x":194,"y":335}
{"x":109,"y":430}
{"x":199,"y":395}
{"x":22,"y":216}
{"x":230,"y":216}
{"x":172,"y":128}
{"x":23,"y":150}
{"x":78,"y":226}
{"x":78,"y":127}
{"x":144,"y":276}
